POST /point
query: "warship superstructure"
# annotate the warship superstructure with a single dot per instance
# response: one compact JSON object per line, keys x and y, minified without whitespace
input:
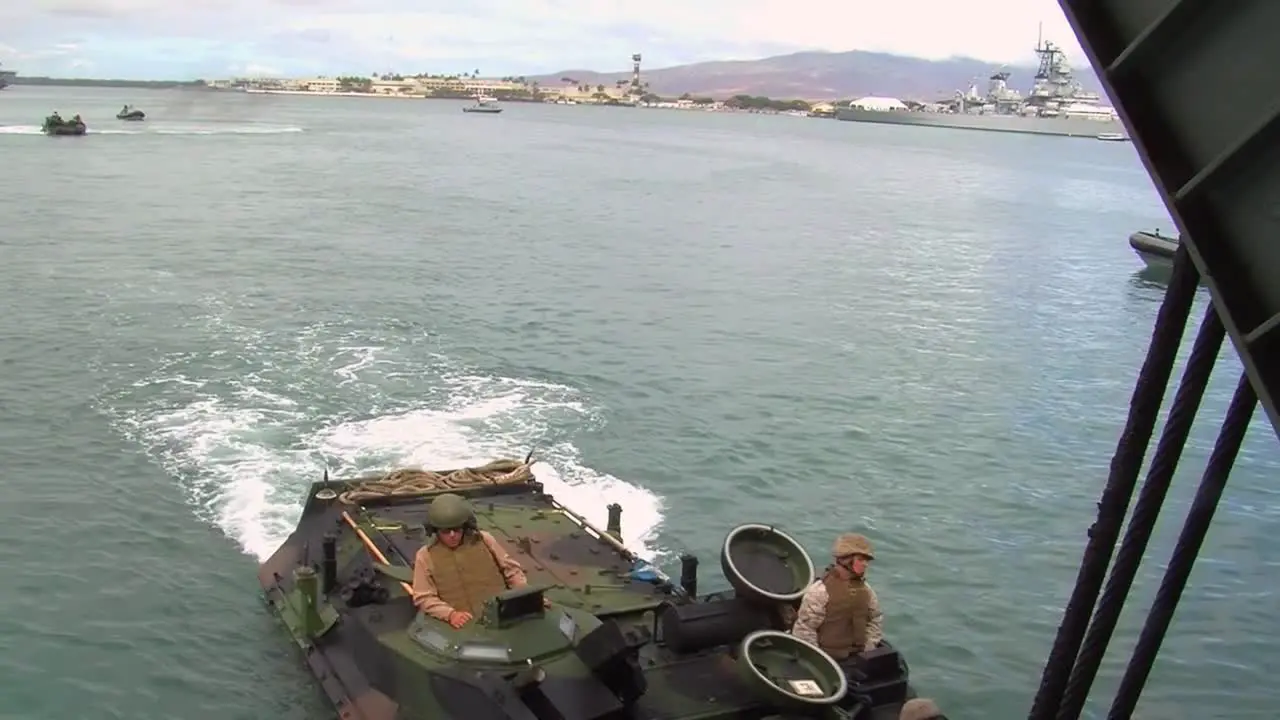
{"x":1056,"y":105}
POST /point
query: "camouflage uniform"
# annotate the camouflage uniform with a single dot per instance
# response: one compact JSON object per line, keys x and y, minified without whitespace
{"x":921,"y":709}
{"x":447,"y":579}
{"x":838,"y":614}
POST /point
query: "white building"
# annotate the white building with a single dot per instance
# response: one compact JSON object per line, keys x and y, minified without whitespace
{"x":882,"y":104}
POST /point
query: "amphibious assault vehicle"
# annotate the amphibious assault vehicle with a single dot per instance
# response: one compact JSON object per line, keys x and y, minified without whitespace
{"x":56,"y":126}
{"x":617,"y":639}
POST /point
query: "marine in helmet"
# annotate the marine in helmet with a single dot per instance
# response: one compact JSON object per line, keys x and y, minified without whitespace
{"x":921,"y":709}
{"x":840,"y":613}
{"x":461,"y":566}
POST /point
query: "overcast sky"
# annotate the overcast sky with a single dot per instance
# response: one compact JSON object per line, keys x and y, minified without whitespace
{"x":221,"y":38}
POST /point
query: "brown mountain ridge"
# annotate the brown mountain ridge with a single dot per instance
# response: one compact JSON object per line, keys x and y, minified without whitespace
{"x":824,"y":76}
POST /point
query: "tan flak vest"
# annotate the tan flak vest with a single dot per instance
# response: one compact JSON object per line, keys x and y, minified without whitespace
{"x":466,"y":576}
{"x":844,"y":630}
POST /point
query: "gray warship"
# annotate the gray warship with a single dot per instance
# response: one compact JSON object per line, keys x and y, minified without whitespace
{"x":6,"y":77}
{"x":1056,"y":105}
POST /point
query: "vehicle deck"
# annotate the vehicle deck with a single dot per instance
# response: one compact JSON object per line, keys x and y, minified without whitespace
{"x":583,"y":566}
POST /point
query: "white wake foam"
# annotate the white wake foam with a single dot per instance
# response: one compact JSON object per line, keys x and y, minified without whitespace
{"x":463,"y":436}
{"x":244,"y":442}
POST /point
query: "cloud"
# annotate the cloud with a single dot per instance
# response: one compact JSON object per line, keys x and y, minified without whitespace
{"x":253,"y":70}
{"x":160,"y":38}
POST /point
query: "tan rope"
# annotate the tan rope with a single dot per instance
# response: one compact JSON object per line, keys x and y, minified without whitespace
{"x":407,"y":482}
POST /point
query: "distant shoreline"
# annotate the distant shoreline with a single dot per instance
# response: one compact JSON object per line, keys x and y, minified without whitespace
{"x":202,"y":85}
{"x":37,"y":80}
{"x":814,"y":76}
{"x":312,"y":93}
{"x":745,"y":104}
{"x":340,"y":93}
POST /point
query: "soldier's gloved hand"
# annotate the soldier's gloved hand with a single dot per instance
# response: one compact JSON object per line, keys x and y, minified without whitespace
{"x":546,"y":601}
{"x":458,"y":618}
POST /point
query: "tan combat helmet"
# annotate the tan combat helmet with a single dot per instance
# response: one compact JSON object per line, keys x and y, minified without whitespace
{"x":920,"y":709}
{"x":852,"y":544}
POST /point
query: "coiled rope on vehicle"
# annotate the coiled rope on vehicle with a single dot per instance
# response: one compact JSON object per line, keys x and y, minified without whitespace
{"x":411,"y":482}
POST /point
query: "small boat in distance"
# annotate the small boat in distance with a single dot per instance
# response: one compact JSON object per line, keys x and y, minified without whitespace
{"x":55,"y":125}
{"x":1112,"y":137}
{"x":484,"y":105}
{"x":129,"y":112}
{"x":1156,"y":250}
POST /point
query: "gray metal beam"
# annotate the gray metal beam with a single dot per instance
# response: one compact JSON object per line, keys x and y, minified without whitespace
{"x":1197,"y":84}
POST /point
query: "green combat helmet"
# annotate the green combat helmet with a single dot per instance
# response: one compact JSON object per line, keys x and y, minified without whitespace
{"x":450,"y":511}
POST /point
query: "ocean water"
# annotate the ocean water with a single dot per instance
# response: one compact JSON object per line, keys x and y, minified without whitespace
{"x":929,"y":336}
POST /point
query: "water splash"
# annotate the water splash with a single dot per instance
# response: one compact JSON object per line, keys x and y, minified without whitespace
{"x":246,"y":427}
